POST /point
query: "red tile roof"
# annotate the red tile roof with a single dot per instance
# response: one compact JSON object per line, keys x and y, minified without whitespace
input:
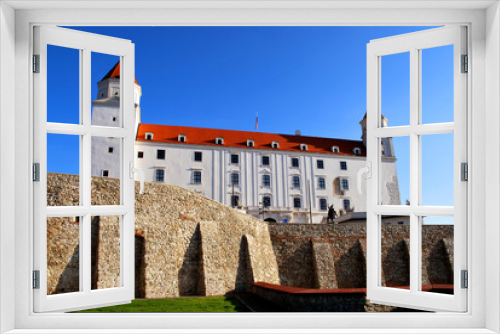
{"x":238,"y":139}
{"x":114,"y":73}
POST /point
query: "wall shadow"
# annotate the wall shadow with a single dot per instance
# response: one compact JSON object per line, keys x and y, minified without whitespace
{"x":350,"y":269}
{"x":140,"y":267}
{"x":191,"y":273}
{"x":244,"y":275}
{"x":439,"y":269}
{"x":69,"y":281}
{"x":396,"y":265}
{"x":94,"y":245}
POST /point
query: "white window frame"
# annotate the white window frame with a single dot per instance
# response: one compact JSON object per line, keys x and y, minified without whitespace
{"x":16,"y":18}
{"x":149,"y":134}
{"x":85,"y":43}
{"x":414,"y":43}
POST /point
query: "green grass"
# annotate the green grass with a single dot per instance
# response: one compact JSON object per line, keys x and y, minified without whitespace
{"x":195,"y":304}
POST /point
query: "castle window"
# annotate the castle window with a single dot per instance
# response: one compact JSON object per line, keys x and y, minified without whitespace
{"x":266,"y":201}
{"x":295,"y":162}
{"x":345,"y":184}
{"x":105,"y":173}
{"x":347,"y":204}
{"x":235,"y":201}
{"x":160,"y":154}
{"x":197,"y":177}
{"x":296,"y":182}
{"x":159,"y":175}
{"x":149,"y":136}
{"x":140,"y":154}
{"x":197,"y":156}
{"x":235,"y":158}
{"x":275,"y":145}
{"x":235,"y":179}
{"x":296,"y":203}
{"x":303,"y":147}
{"x":320,"y":164}
{"x":250,"y":143}
{"x":335,"y":149}
{"x":321,"y":183}
{"x":323,"y":206}
{"x":265,"y":160}
{"x":110,"y":150}
{"x":219,"y":141}
{"x":343,"y":165}
{"x":114,"y":119}
{"x":357,"y":151}
{"x":266,"y":180}
{"x":182,"y":138}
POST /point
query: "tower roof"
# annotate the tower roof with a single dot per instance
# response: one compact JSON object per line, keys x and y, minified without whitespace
{"x":114,"y":73}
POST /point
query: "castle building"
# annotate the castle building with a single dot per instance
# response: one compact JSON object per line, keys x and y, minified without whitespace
{"x":275,"y":177}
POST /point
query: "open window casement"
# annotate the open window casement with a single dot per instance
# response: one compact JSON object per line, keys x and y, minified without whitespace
{"x":422,"y":292}
{"x":74,"y":220}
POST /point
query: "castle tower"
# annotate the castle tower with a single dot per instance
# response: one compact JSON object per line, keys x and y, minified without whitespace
{"x":106,"y":112}
{"x":387,"y":146}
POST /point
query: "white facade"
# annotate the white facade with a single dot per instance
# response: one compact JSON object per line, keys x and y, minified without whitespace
{"x":179,"y":166}
{"x":281,"y":200}
{"x":106,"y":112}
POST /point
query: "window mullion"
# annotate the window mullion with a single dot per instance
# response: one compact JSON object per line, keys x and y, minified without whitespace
{"x":415,"y":168}
{"x":85,"y":172}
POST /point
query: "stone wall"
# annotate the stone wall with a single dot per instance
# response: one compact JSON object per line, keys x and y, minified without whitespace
{"x":334,"y":256}
{"x":186,"y":244}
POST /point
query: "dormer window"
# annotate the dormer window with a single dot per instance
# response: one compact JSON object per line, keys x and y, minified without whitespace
{"x":335,"y":149}
{"x":182,"y":138}
{"x":250,"y":143}
{"x":149,"y":136}
{"x":275,"y":145}
{"x":219,"y":141}
{"x":357,"y":151}
{"x":303,"y":147}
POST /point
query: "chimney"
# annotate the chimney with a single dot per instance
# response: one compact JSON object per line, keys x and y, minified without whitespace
{"x":297,"y":132}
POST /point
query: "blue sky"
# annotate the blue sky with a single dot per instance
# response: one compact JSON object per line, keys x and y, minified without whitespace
{"x":307,"y":78}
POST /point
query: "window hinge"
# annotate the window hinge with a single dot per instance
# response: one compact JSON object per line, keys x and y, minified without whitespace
{"x":465,"y":64}
{"x":36,"y":63}
{"x":465,"y":279}
{"x":36,"y":172}
{"x":464,"y":171}
{"x":36,"y":279}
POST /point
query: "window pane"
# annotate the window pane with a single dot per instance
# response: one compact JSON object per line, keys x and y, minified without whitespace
{"x":395,"y":251}
{"x":437,"y":84}
{"x":437,"y":254}
{"x":394,"y":171}
{"x":106,"y":90}
{"x":63,"y":255}
{"x":105,"y":248}
{"x":106,"y":189}
{"x":395,"y":90}
{"x":437,"y":170}
{"x":63,"y":68}
{"x":63,"y":169}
